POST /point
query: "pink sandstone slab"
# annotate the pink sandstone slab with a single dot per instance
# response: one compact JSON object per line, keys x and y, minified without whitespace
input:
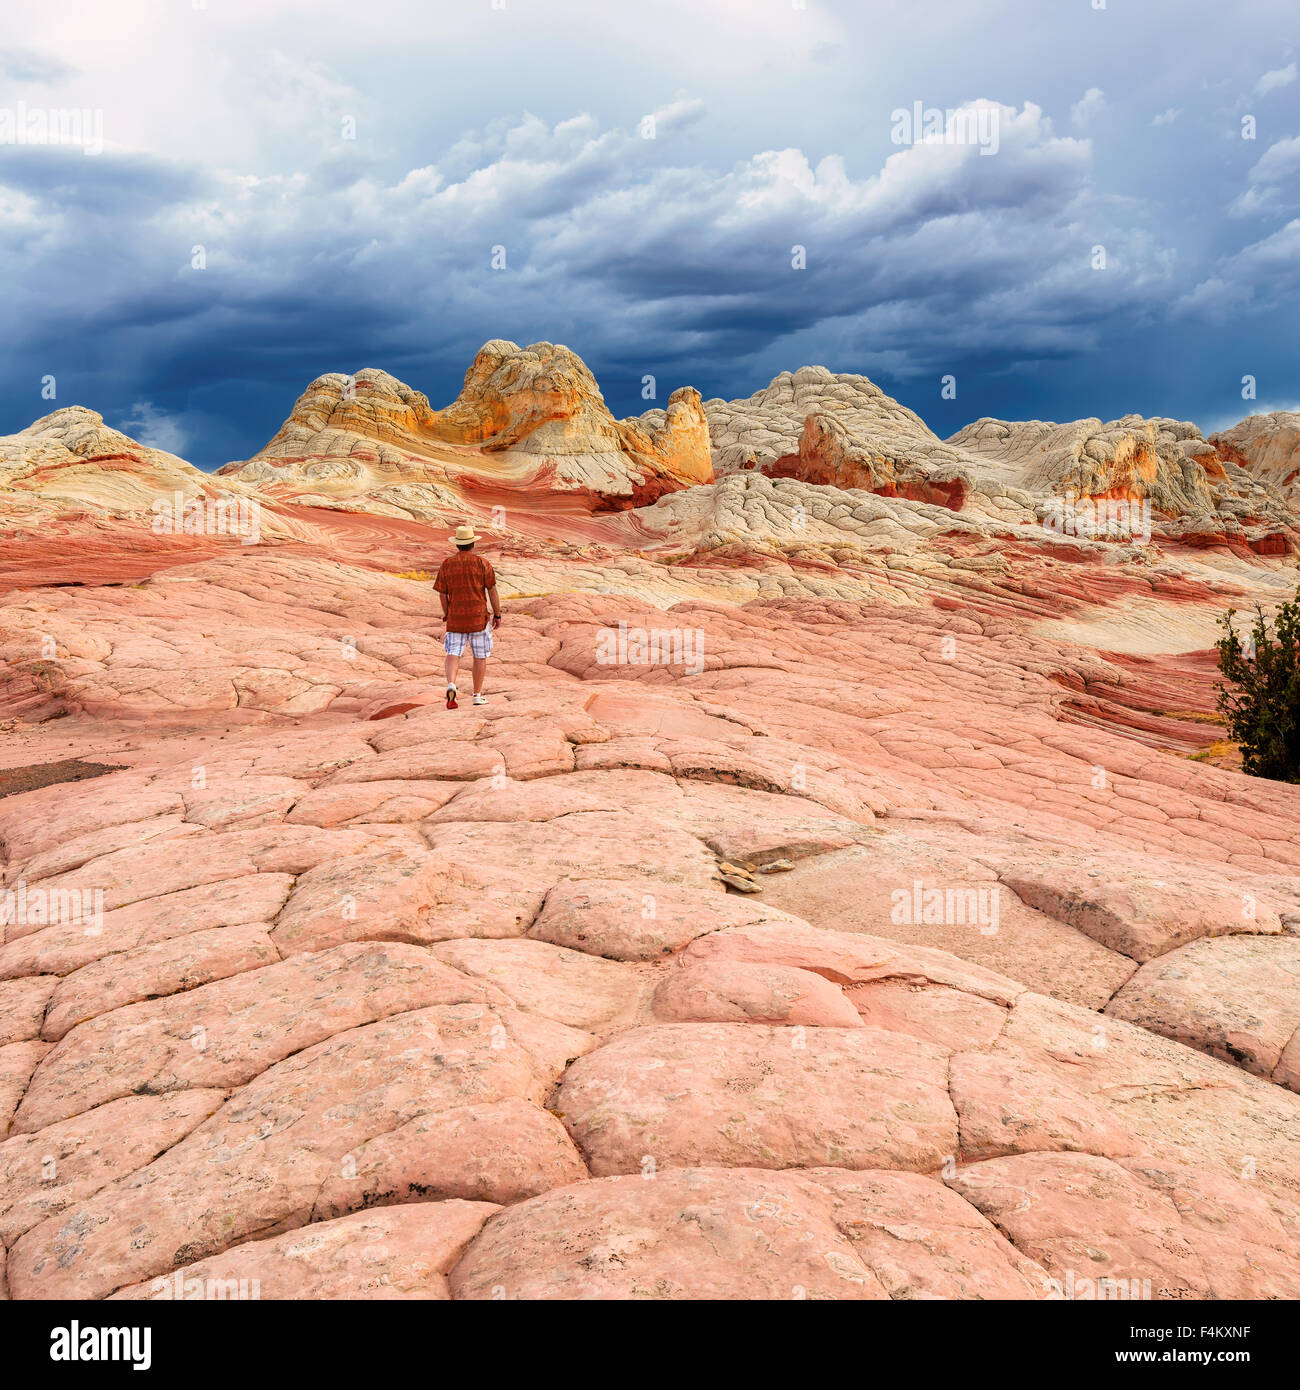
{"x":258,"y":1165}
{"x":1088,"y":1218}
{"x":1235,"y":997}
{"x":622,"y":920}
{"x":67,"y":946}
{"x":682,"y":1095}
{"x":22,"y":1007}
{"x":393,"y":800}
{"x":398,"y":1253}
{"x":18,"y":1061}
{"x":735,"y":992}
{"x":227,"y":1032}
{"x":879,"y":889}
{"x":500,"y":1151}
{"x":155,"y":971}
{"x":1005,"y":1107}
{"x":63,"y":1164}
{"x":1122,"y":904}
{"x":737,"y":1233}
{"x":598,"y":996}
{"x":402,"y":895}
{"x":133,"y":875}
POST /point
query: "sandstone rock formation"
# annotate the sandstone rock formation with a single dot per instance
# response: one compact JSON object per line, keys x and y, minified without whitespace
{"x":1268,"y":447}
{"x":76,"y":495}
{"x":364,"y":463}
{"x":1132,"y":456}
{"x":1196,"y":493}
{"x":768,"y":424}
{"x":831,"y":901}
{"x":828,"y":454}
{"x":841,"y":431}
{"x":529,"y":420}
{"x":71,"y":461}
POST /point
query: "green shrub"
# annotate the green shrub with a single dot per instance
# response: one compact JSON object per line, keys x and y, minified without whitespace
{"x":1261,"y":704}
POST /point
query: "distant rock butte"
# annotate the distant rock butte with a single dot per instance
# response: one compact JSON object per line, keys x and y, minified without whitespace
{"x":830,"y":455}
{"x":530,"y":432}
{"x":529,"y":420}
{"x":70,"y":460}
{"x":1268,"y":447}
{"x":1197,"y":492}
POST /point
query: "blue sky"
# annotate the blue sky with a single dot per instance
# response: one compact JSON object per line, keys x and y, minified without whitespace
{"x":349,"y":169}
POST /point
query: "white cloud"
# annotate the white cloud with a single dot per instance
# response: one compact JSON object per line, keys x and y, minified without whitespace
{"x":688,"y":252}
{"x":1281,"y":161}
{"x":1279,"y":77}
{"x":17,"y":210}
{"x":1168,"y":117}
{"x":1266,"y":270}
{"x":678,"y":115}
{"x":25,"y":65}
{"x":1273,"y":175}
{"x":155,"y":428}
{"x":1091,"y":104}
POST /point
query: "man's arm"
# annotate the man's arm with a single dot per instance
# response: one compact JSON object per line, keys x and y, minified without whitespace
{"x":496,"y":604}
{"x":441,"y":585}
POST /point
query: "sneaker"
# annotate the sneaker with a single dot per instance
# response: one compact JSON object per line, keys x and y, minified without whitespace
{"x":480,"y":699}
{"x":451,"y":697}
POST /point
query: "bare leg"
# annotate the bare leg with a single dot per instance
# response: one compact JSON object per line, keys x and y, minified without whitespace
{"x":453,"y":662}
{"x":480,"y":670}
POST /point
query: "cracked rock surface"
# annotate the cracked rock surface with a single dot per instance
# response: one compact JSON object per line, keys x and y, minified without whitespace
{"x":838,"y":897}
{"x":470,"y":988}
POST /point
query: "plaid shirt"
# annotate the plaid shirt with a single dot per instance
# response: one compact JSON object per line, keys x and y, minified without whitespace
{"x":465,"y":578}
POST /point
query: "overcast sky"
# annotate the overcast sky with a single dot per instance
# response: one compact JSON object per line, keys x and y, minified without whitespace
{"x":352,"y":171}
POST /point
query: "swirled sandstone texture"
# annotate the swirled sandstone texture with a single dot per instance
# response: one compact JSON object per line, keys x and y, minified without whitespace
{"x":843,"y":894}
{"x":1267,"y":447}
{"x":529,"y":420}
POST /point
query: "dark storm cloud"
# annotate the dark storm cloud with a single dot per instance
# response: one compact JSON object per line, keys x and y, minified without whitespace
{"x":115,"y":185}
{"x":669,"y":255}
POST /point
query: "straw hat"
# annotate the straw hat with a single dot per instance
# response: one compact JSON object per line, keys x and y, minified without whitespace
{"x":464,"y":535}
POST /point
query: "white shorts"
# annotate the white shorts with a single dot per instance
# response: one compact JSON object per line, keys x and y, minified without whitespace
{"x":480,"y":643}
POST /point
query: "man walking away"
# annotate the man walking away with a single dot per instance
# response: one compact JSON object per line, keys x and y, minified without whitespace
{"x":465,"y":584}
